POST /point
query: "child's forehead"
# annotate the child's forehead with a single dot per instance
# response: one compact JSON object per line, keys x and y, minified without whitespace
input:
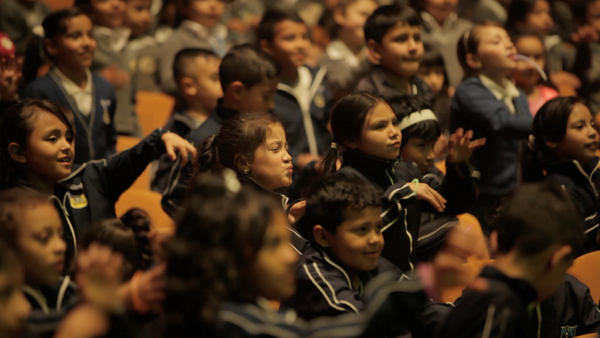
{"x":287,"y":25}
{"x":400,"y":28}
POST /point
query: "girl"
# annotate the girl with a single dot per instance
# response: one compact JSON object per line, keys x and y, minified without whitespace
{"x":36,"y":150}
{"x":490,"y":105}
{"x":69,"y":44}
{"x":346,"y":56}
{"x":231,"y":253}
{"x":563,"y":142}
{"x":15,"y":307}
{"x":365,"y":128}
{"x":433,"y":71}
{"x":527,"y":77}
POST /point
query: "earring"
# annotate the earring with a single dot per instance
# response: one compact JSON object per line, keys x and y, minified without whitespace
{"x":245,"y":171}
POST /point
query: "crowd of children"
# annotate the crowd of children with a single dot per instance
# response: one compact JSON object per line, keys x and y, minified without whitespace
{"x":318,"y":164}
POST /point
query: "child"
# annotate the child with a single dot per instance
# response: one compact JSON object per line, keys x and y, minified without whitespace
{"x":539,"y":233}
{"x":420,"y":134}
{"x":490,"y":105}
{"x":18,"y":18}
{"x":346,"y":55}
{"x":249,"y":78}
{"x":563,"y":142}
{"x":393,"y":36}
{"x":442,"y":28}
{"x":433,"y":71}
{"x":302,"y":98}
{"x":365,"y":128}
{"x":70,"y":45}
{"x":527,"y":77}
{"x":37,"y":151}
{"x":201,"y":29}
{"x":113,"y":57}
{"x":15,"y":306}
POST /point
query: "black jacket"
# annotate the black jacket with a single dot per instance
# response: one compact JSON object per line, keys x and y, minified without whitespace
{"x":582,"y":182}
{"x":377,"y":82}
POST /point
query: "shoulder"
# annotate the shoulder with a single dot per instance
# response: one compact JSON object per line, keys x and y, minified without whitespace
{"x":210,"y":127}
{"x":39,"y":86}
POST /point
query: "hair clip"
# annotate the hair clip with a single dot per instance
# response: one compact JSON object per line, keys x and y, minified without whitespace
{"x":334,"y":145}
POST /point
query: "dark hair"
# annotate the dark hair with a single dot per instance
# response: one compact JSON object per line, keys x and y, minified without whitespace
{"x":468,"y":44}
{"x":386,"y":17}
{"x":237,"y":141}
{"x":347,"y":119}
{"x":14,"y":202}
{"x":433,"y":58}
{"x":518,"y":12}
{"x":403,"y":106}
{"x":55,"y":25}
{"x":248,"y":64}
{"x":329,"y":200}
{"x":119,"y":238}
{"x":8,"y":256}
{"x":266,"y":28}
{"x":16,"y":126}
{"x":218,"y":234}
{"x":537,"y":216}
{"x":139,"y":221}
{"x":185,"y":58}
{"x":529,"y":33}
{"x":549,"y":124}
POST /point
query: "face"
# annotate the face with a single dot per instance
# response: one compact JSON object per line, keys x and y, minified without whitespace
{"x":420,"y":152}
{"x":357,"y":242}
{"x":260,"y":97}
{"x":205,"y":12}
{"x":290,"y":44}
{"x":74,"y":49}
{"x":50,"y":152}
{"x":440,"y":9}
{"x":581,"y":140}
{"x":41,"y":245}
{"x":207,"y":84}
{"x":495,"y":53}
{"x":540,"y":18}
{"x":108,"y":13}
{"x":272,"y":274}
{"x":352,"y":21}
{"x":380,"y":136}
{"x":401,"y":50}
{"x":433,"y":76}
{"x":272,"y":164}
{"x":15,"y":306}
{"x":137,"y":16}
{"x":526,"y":74}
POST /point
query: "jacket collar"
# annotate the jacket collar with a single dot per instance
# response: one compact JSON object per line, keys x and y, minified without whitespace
{"x":48,"y":296}
{"x":222,"y":113}
{"x":245,"y":180}
{"x":381,"y":171}
{"x":573,"y":167}
{"x":383,"y":85}
{"x":520,"y":286}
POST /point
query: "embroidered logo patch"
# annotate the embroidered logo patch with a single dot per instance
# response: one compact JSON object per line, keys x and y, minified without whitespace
{"x":147,"y":65}
{"x":319,"y":100}
{"x":78,"y":201}
{"x":568,"y":331}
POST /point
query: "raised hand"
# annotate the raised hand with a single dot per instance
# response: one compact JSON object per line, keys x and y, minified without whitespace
{"x":99,"y":276}
{"x":176,"y":144}
{"x":427,"y":193}
{"x":10,"y":76}
{"x":460,"y":146}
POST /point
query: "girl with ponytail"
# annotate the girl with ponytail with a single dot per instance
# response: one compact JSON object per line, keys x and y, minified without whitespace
{"x":563,"y":142}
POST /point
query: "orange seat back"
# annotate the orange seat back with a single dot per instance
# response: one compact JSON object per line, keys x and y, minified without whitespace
{"x":153,"y":110}
{"x":586,"y":268}
{"x":147,"y":200}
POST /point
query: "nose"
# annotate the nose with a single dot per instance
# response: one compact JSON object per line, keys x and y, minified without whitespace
{"x":60,"y":247}
{"x":412,"y":45}
{"x":290,"y":255}
{"x":375,"y":238}
{"x":431,"y":154}
{"x":593,"y":133}
{"x":287,"y":158}
{"x":395,"y":132}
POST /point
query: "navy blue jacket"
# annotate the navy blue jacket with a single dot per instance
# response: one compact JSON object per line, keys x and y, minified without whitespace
{"x":474,"y":107}
{"x":377,"y":82}
{"x":96,"y":137}
{"x":582,"y":182}
{"x":290,"y":114}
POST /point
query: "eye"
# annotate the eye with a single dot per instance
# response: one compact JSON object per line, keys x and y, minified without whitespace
{"x":52,"y":139}
{"x":401,"y":38}
{"x":417,"y":37}
{"x":362,"y":230}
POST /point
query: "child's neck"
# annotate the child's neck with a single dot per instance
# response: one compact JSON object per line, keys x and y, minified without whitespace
{"x":346,"y":38}
{"x":79,"y":77}
{"x":41,"y":185}
{"x":227,"y":103}
{"x":289,"y":75}
{"x":510,"y":266}
{"x":402,"y":84}
{"x":497,"y":78}
{"x":198,"y":111}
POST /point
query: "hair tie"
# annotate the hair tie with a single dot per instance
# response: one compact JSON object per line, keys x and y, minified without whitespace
{"x":466,"y":40}
{"x":531,"y":143}
{"x":416,"y":182}
{"x":334,"y":145}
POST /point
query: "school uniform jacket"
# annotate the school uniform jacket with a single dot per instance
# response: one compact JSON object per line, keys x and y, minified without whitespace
{"x":474,"y":107}
{"x":96,"y":137}
{"x":306,"y":125}
{"x":582,"y":182}
{"x":505,"y":309}
{"x":377,"y":82}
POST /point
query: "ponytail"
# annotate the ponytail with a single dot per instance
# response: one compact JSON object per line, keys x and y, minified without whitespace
{"x":329,"y":162}
{"x":208,"y":155}
{"x":532,"y":168}
{"x":138,"y":220}
{"x":34,"y":59}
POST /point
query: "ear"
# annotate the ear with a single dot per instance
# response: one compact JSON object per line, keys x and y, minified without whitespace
{"x":235,"y":90}
{"x":241,"y":165}
{"x":188,"y":86}
{"x":550,"y":144}
{"x":321,"y":236}
{"x":339,"y":16}
{"x":265,"y":45}
{"x":473,"y":61}
{"x":352,"y":145}
{"x":494,"y":242}
{"x":50,"y":47}
{"x":374,"y":52}
{"x":561,"y":255}
{"x":16,"y":153}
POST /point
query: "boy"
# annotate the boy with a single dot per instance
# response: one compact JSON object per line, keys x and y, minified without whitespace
{"x":393,"y":36}
{"x":420,"y":133}
{"x":201,"y":29}
{"x":249,"y":78}
{"x":343,"y":224}
{"x":302,"y":99}
{"x":539,"y":233}
{"x":197,"y":75}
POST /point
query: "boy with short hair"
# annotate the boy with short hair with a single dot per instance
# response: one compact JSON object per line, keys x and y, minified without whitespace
{"x":249,"y":78}
{"x":302,"y":101}
{"x":393,"y":36}
{"x":539,"y":233}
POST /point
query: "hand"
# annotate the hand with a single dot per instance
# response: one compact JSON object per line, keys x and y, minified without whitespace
{"x":151,"y":287}
{"x":10,"y":74}
{"x":84,"y":321}
{"x":562,"y":78}
{"x":175,"y":144}
{"x":117,"y":77}
{"x":460,"y":146}
{"x":304,"y":159}
{"x":296,"y":211}
{"x":584,"y":35}
{"x":99,"y":276}
{"x":427,"y":193}
{"x":440,"y":149}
